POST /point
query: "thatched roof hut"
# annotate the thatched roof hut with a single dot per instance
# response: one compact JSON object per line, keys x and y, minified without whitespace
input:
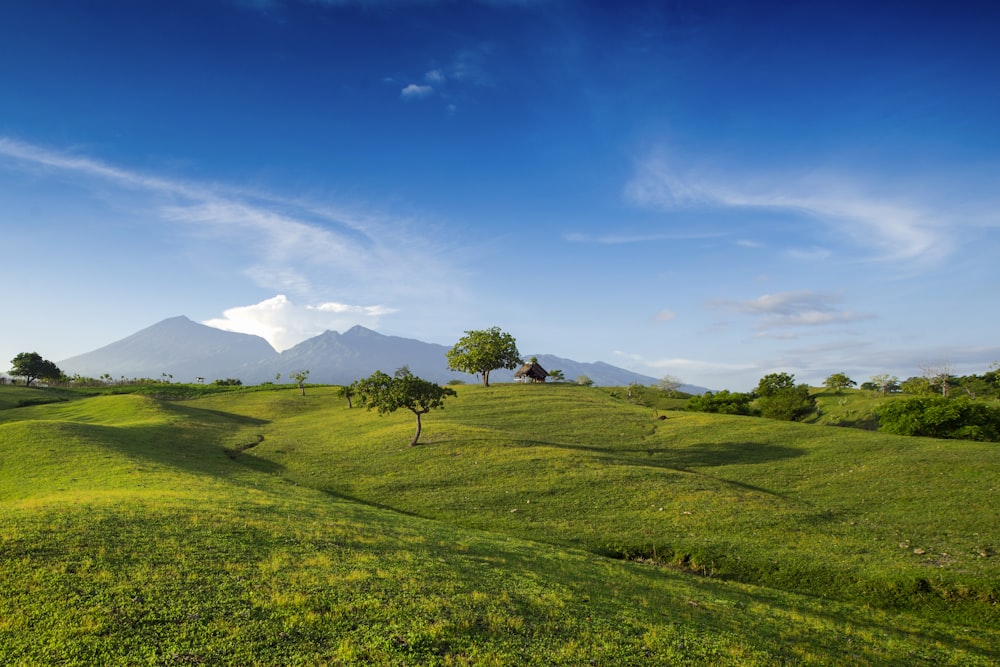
{"x":531,"y":372}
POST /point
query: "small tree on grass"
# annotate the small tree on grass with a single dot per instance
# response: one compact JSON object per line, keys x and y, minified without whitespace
{"x":300,"y":379}
{"x":347,"y":392}
{"x":403,"y":390}
{"x":838,"y":382}
{"x":885,"y":383}
{"x":31,"y":367}
{"x":670,"y":384}
{"x":483,"y":351}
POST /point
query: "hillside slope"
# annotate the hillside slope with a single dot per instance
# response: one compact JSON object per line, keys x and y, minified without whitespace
{"x":819,"y":510}
{"x":257,"y":527}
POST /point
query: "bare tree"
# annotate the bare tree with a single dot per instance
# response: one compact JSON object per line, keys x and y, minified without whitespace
{"x":670,"y":384}
{"x":885,"y":383}
{"x":939,"y":376}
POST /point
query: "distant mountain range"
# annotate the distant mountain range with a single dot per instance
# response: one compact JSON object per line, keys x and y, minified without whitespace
{"x":187,"y":350}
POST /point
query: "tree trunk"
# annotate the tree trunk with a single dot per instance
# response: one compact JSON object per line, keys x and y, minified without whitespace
{"x":416,"y":436}
{"x":486,"y":378}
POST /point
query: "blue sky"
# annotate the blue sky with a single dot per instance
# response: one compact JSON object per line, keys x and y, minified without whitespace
{"x":710,"y":190}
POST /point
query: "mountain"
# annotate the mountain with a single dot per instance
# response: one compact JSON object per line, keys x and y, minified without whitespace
{"x":176,"y":346}
{"x":334,"y":358}
{"x":188,"y":350}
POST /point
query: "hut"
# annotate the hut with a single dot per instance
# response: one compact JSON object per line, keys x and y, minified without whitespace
{"x":530,"y":372}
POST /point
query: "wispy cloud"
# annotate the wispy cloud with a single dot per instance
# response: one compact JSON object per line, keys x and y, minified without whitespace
{"x":416,"y":91}
{"x":282,"y":244}
{"x":680,"y":365}
{"x":893,"y":228}
{"x":623,"y":239}
{"x":284,"y":323}
{"x":794,"y":309}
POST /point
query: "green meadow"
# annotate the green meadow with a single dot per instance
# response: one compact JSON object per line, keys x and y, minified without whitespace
{"x":534,"y":524}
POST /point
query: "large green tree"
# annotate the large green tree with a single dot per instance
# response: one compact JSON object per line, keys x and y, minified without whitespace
{"x":482,"y":351}
{"x":402,"y":390}
{"x":31,"y":366}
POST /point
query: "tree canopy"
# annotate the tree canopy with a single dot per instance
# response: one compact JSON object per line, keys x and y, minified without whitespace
{"x":482,"y":351}
{"x":838,"y":382}
{"x":31,"y":366}
{"x":403,"y":390}
{"x":771,"y":384}
{"x":885,"y":383}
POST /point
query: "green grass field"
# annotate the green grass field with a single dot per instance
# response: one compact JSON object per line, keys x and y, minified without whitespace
{"x":535,"y":524}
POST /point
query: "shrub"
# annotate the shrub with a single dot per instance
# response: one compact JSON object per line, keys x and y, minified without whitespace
{"x":723,"y":402}
{"x":941,"y":417}
{"x":787,"y":404}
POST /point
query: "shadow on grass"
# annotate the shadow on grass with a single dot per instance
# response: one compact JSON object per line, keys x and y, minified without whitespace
{"x":700,"y":455}
{"x":711,"y":454}
{"x":201,"y":442}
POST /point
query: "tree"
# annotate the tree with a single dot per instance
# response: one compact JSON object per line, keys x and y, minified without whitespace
{"x":839,"y":382}
{"x":885,"y":383}
{"x":481,"y":351}
{"x":771,"y":384}
{"x":939,"y":377}
{"x":347,"y":392}
{"x":300,"y":379}
{"x":779,"y":398}
{"x":31,"y":367}
{"x":584,"y":380}
{"x":916,"y":385}
{"x":403,"y":390}
{"x":557,"y":375}
{"x":670,"y":384}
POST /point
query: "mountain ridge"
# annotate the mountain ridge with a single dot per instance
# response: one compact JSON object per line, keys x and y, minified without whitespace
{"x":188,"y":351}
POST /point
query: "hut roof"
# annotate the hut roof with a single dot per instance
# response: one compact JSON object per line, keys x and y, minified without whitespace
{"x":531,"y":370}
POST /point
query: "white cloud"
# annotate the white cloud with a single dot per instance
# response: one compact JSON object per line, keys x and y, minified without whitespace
{"x":415,"y":91}
{"x":682,"y":366}
{"x":286,"y":245}
{"x":896,"y":230}
{"x":623,"y":239}
{"x":284,"y":324}
{"x":665,"y":316}
{"x":794,"y":309}
{"x":435,"y":76}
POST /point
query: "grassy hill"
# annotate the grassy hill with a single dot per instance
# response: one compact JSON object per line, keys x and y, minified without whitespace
{"x":537,"y":524}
